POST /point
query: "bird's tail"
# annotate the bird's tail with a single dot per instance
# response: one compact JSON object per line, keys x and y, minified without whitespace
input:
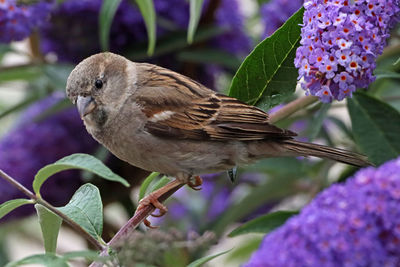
{"x":309,"y":149}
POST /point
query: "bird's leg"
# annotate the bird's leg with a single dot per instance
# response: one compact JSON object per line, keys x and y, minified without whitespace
{"x":196,"y":184}
{"x":152,"y":199}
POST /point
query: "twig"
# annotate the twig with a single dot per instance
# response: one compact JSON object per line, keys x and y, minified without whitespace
{"x":292,"y":107}
{"x":18,"y":185}
{"x":43,"y":202}
{"x":132,"y":224}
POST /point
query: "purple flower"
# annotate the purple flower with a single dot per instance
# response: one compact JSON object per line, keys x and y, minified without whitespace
{"x":17,"y":22}
{"x":342,"y":39}
{"x":352,"y":224}
{"x":276,"y":12}
{"x":32,"y":145}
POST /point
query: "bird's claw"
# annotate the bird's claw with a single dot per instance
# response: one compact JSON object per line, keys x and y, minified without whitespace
{"x":152,"y":199}
{"x":196,"y":183}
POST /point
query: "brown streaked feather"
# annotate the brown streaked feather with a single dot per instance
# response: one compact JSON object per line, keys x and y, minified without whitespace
{"x":197,"y":112}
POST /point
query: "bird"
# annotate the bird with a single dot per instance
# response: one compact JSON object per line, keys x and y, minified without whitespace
{"x":159,"y":120}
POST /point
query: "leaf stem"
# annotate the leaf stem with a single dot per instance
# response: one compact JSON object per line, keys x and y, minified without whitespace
{"x":43,"y":202}
{"x":292,"y":107}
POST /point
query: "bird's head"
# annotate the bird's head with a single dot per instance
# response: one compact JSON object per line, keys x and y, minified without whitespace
{"x":100,"y":84}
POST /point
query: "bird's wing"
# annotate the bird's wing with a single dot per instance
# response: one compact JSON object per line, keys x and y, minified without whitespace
{"x":182,"y":108}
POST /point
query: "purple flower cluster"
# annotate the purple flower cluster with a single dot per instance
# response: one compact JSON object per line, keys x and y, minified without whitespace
{"x":340,"y":42}
{"x":79,"y":18}
{"x":352,"y":224}
{"x":17,"y":22}
{"x":275,"y":12}
{"x":31,"y":145}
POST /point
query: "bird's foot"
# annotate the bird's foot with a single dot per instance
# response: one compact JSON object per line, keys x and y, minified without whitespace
{"x":153,"y":200}
{"x":195,"y":183}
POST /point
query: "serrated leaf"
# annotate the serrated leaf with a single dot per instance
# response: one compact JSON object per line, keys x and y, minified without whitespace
{"x":195,"y":13}
{"x":76,"y":161}
{"x":147,"y":10}
{"x":12,"y":204}
{"x":86,"y":209}
{"x":201,"y":261}
{"x":268,"y":76}
{"x":145,"y":184}
{"x":263,"y":224}
{"x":376,"y":127}
{"x":106,"y":16}
{"x":50,"y":224}
{"x":48,"y":260}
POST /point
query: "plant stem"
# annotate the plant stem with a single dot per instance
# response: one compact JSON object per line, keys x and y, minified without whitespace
{"x":291,"y":108}
{"x":43,"y":202}
{"x":18,"y":185}
{"x":132,"y":224}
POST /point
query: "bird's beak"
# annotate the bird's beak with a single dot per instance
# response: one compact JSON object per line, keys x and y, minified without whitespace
{"x":85,"y":105}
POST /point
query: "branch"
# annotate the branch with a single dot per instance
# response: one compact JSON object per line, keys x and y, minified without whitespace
{"x":132,"y":224}
{"x":43,"y":202}
{"x":18,"y":185}
{"x":291,"y":108}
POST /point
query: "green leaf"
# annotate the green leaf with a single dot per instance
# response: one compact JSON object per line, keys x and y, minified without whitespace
{"x":26,"y":73}
{"x":146,"y":7}
{"x":274,"y":189}
{"x":376,"y":127}
{"x":87,"y":254}
{"x":76,"y":161}
{"x":175,"y":41}
{"x":48,"y":260}
{"x":12,"y":204}
{"x":163,"y":181}
{"x":50,"y":224}
{"x":317,"y":121}
{"x":387,"y":75}
{"x":201,"y":261}
{"x":57,"y":74}
{"x":396,"y":64}
{"x":210,"y":56}
{"x":245,"y":249}
{"x":60,"y":105}
{"x":268,"y":76}
{"x":106,"y":16}
{"x":4,"y":48}
{"x":195,"y":13}
{"x":86,"y":209}
{"x":24,"y":103}
{"x":263,"y":224}
{"x":146,"y":183}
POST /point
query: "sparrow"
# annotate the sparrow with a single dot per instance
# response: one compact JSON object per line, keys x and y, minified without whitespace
{"x":159,"y":120}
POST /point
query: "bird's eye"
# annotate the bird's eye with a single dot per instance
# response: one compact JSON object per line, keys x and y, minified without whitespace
{"x":98,"y":83}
